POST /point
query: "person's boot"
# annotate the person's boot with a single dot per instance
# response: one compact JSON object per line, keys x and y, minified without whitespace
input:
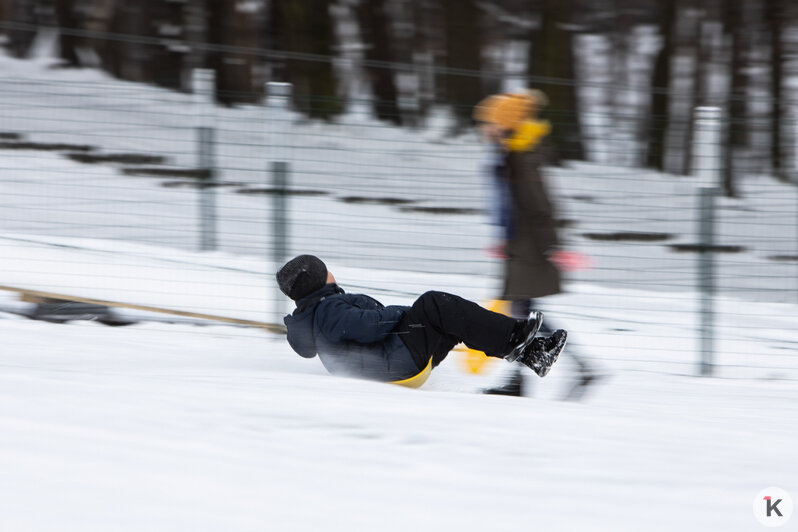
{"x":523,"y":336}
{"x":542,"y":353}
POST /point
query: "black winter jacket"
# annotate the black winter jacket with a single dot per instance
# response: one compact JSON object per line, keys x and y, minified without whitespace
{"x":352,"y":334}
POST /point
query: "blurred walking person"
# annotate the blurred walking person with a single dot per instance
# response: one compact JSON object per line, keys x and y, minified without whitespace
{"x":532,"y":251}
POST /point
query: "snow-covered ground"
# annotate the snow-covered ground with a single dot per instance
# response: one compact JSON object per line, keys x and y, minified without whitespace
{"x":182,"y":426}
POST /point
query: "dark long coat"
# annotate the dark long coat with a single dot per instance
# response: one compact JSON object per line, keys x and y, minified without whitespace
{"x":528,"y":272}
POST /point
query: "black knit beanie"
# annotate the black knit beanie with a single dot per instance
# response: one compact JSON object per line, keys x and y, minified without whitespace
{"x":301,"y":276}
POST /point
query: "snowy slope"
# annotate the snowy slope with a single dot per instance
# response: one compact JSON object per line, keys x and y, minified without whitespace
{"x":172,"y":427}
{"x":178,"y":427}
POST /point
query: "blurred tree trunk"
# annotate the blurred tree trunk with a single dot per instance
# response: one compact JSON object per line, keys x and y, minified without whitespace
{"x":774,"y":17}
{"x":129,"y":59}
{"x":696,"y":50}
{"x":463,"y":52}
{"x":660,"y":88}
{"x":305,"y":26}
{"x":375,"y":30}
{"x":736,"y":127}
{"x":552,"y":56}
{"x":166,"y":59}
{"x":789,"y":100}
{"x":112,"y":52}
{"x":709,"y":57}
{"x":235,"y":24}
{"x":683,"y":91}
{"x":424,"y":44}
{"x":67,"y":17}
{"x":25,"y":12}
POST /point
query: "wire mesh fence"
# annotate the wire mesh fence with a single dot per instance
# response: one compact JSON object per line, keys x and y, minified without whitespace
{"x":85,"y":157}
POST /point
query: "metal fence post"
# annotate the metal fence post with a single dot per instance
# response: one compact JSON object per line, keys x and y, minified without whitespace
{"x":706,"y":165}
{"x":278,"y":99}
{"x":706,"y":277}
{"x":277,"y":120}
{"x":279,"y":173}
{"x":203,"y":83}
{"x":207,"y":200}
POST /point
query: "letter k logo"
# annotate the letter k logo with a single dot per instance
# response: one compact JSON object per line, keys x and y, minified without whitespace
{"x":772,"y":506}
{"x":777,"y":508}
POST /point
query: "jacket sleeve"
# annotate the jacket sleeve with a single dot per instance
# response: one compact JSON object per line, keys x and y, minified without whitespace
{"x":339,"y":320}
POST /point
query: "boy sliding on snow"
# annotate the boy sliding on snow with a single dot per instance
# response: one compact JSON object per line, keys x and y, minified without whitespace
{"x":356,"y":336}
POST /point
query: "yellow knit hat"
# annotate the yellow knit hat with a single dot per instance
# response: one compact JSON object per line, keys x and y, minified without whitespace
{"x":504,"y":110}
{"x":513,"y":112}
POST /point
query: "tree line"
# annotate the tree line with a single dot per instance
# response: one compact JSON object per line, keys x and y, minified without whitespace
{"x":406,"y":57}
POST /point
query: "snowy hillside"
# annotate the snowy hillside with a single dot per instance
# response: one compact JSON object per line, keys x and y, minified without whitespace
{"x":179,"y":427}
{"x":176,"y":423}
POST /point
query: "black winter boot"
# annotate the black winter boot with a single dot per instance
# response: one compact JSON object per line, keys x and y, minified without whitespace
{"x":542,"y":353}
{"x":523,"y":335}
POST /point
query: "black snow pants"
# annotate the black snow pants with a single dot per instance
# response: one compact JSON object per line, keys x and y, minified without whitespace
{"x":438,"y":321}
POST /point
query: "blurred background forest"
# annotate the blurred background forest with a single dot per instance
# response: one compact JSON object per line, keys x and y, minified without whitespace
{"x":621,"y":73}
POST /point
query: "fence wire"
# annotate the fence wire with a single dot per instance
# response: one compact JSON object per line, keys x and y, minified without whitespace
{"x":120,"y":161}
